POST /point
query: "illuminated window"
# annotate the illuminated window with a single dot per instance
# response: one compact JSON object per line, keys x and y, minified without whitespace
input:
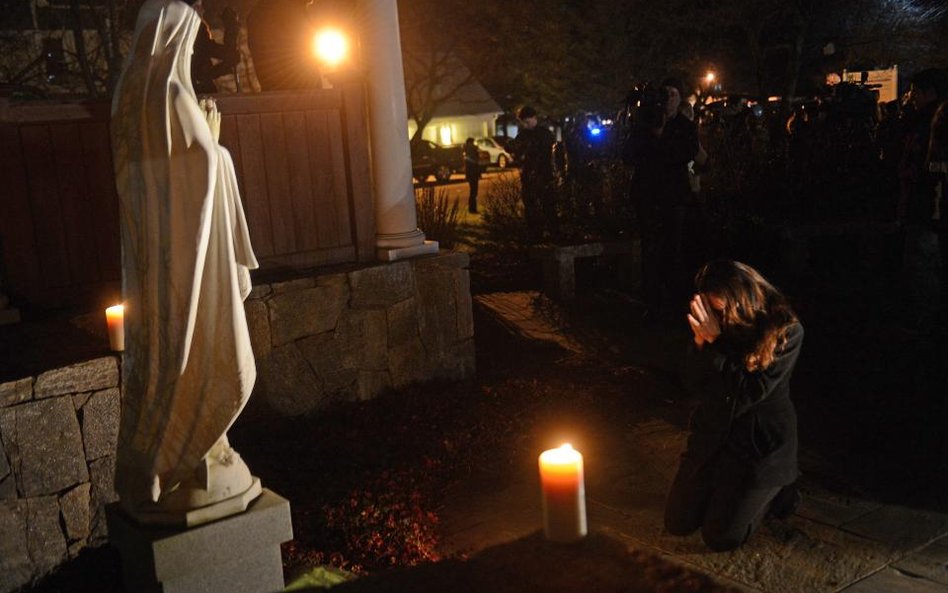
{"x":445,"y":134}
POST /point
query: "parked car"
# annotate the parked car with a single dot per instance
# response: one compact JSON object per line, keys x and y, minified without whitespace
{"x":497,"y":154}
{"x":429,"y":159}
{"x":504,"y":142}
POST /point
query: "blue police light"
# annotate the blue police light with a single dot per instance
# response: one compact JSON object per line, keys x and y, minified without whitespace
{"x":595,"y":131}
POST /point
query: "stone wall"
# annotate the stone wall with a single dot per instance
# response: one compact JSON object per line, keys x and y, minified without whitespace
{"x":331,"y":337}
{"x":58,"y":433}
{"x":352,"y":335}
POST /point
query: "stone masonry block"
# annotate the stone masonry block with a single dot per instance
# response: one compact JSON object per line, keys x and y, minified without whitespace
{"x":307,"y":312}
{"x":100,"y":423}
{"x":8,"y":487}
{"x":408,"y":363}
{"x":80,"y":399}
{"x":465,"y":310}
{"x":259,"y":291}
{"x":381,"y":286}
{"x":16,"y":569}
{"x":402,"y":321}
{"x":333,"y":363}
{"x":362,"y":339}
{"x":75,"y":507}
{"x":14,"y":392}
{"x":5,"y":469}
{"x":44,"y":537}
{"x":44,"y":445}
{"x":258,"y":322}
{"x":322,"y":353}
{"x":291,"y":386}
{"x":437,"y":318}
{"x":102,"y":477}
{"x":91,"y":375}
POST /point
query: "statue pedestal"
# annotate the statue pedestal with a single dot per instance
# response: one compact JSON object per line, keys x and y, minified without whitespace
{"x":238,"y":554}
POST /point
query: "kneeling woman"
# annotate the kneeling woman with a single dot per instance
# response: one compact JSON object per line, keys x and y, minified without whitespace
{"x":741,"y":458}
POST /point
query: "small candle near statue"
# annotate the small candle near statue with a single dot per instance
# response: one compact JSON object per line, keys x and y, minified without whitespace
{"x":115,"y":318}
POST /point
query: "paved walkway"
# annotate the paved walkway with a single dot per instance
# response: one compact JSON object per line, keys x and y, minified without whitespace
{"x":833,"y":543}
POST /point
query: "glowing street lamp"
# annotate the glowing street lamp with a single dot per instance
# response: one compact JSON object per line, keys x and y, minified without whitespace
{"x":331,"y":46}
{"x":709,"y":77}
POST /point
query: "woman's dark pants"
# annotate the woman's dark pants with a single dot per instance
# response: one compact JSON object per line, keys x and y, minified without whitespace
{"x":715,"y":499}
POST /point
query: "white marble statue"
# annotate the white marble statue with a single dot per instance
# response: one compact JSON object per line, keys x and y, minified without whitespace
{"x":186,"y":254}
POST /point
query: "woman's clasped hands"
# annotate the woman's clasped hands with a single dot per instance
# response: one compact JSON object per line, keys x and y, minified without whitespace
{"x":703,"y":321}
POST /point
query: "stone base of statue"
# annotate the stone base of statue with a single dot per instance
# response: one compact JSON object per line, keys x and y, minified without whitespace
{"x":237,"y":554}
{"x":221,"y":485}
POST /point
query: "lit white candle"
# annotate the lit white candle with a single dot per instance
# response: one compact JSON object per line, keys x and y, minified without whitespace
{"x":564,"y":495}
{"x":115,"y":317}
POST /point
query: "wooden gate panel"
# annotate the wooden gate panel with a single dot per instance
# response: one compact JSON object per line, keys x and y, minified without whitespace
{"x":254,"y":190}
{"x":299,"y":178}
{"x":103,"y":201}
{"x":18,"y":240}
{"x":75,"y":204}
{"x":278,"y":185}
{"x":45,"y":207}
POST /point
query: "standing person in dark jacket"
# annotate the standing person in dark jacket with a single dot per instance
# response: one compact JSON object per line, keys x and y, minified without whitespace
{"x":918,"y":208}
{"x":661,"y":144}
{"x":533,"y":149}
{"x":472,"y":172}
{"x":741,"y":457}
{"x":211,"y":59}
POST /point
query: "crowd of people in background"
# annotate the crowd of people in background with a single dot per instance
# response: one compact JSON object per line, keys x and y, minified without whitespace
{"x":840,"y":157}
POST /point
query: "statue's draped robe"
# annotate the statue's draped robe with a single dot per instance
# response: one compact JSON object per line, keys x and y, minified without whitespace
{"x":188,"y":367}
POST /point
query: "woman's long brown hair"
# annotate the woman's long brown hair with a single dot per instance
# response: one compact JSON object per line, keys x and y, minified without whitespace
{"x":756,"y":315}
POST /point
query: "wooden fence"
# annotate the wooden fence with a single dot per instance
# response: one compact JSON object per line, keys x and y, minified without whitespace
{"x":302,"y":165}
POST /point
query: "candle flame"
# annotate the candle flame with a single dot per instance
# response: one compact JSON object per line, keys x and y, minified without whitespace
{"x":564,"y":454}
{"x":115,"y":309}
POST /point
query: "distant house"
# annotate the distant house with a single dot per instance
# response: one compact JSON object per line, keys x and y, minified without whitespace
{"x":469,"y":111}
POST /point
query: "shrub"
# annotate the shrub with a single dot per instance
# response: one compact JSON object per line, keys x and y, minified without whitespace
{"x":503,"y":211}
{"x":437,"y":216}
{"x":595,"y":205}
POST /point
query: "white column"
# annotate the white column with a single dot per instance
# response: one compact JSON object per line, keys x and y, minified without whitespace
{"x":397,"y":233}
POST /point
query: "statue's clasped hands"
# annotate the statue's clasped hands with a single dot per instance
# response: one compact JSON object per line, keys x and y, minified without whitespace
{"x":703,"y":321}
{"x":209,"y":107}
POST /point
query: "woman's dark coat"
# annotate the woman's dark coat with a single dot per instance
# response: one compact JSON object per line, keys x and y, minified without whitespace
{"x":745,"y":418}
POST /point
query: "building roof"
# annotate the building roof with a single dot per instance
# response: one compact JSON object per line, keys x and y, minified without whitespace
{"x":471,"y":99}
